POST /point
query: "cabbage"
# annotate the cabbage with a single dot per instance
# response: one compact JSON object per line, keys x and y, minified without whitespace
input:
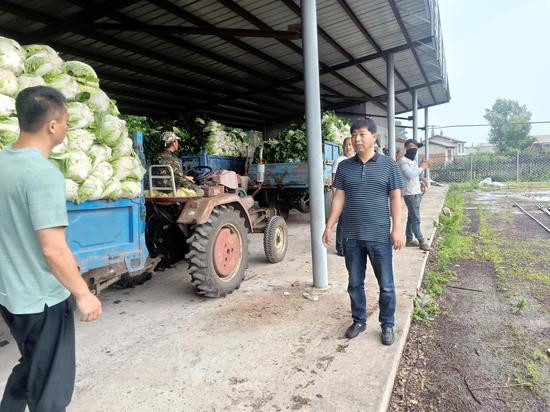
{"x":32,"y":49}
{"x":99,"y":153}
{"x":223,"y":140}
{"x":103,"y":171}
{"x":29,"y":80}
{"x":80,"y":116}
{"x":74,"y":164}
{"x":91,"y":189}
{"x":110,"y":129}
{"x":124,"y":148}
{"x":95,"y":98}
{"x":130,"y":189}
{"x":112,"y":189}
{"x":8,"y":83}
{"x":61,"y":147}
{"x":71,"y":188}
{"x":80,"y":139}
{"x":113,"y":109}
{"x":7,"y":105}
{"x":45,"y":64}
{"x":65,"y":84}
{"x":128,"y":167}
{"x":82,"y":72}
{"x":9,"y":130}
{"x":12,"y":55}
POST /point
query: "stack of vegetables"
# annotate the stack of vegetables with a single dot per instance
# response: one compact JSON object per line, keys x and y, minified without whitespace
{"x":291,"y":144}
{"x":213,"y":137}
{"x":97,"y":156}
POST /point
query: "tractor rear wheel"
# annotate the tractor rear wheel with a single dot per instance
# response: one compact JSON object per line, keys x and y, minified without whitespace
{"x":218,"y":253}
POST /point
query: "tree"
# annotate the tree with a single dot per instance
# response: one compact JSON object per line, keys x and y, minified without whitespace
{"x":510,"y":125}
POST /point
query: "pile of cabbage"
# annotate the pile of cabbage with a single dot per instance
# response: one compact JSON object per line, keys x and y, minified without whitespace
{"x":97,"y":156}
{"x":223,"y":140}
{"x":291,"y":143}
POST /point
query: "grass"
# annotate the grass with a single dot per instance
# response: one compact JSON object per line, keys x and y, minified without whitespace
{"x":511,"y":259}
{"x":453,"y":246}
{"x":471,"y":186}
{"x":521,"y":304}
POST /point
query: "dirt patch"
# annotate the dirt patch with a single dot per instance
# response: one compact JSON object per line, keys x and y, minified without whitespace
{"x":487,"y":349}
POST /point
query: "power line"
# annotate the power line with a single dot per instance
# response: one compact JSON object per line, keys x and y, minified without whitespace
{"x":484,"y":124}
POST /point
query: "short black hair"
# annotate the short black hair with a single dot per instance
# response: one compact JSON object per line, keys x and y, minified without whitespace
{"x":363,"y":123}
{"x":37,"y":105}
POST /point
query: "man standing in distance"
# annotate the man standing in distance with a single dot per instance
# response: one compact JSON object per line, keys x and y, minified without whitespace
{"x":37,"y":270}
{"x":368,"y":190}
{"x":347,"y":146}
{"x":412,"y":194}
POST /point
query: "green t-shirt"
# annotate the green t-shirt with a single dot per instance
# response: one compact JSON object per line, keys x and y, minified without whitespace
{"x":32,"y":197}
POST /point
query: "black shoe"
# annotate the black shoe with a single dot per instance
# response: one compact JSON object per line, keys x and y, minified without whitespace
{"x":387,"y":335}
{"x":425,"y":246}
{"x":355,"y":329}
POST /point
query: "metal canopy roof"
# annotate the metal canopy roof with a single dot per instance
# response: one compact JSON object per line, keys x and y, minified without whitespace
{"x":240,"y":61}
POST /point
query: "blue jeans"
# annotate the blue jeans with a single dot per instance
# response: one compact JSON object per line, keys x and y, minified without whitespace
{"x":413,"y":217}
{"x":380,"y":255}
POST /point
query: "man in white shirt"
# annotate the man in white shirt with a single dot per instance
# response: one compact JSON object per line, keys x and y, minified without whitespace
{"x":347,"y":147}
{"x":412,"y":193}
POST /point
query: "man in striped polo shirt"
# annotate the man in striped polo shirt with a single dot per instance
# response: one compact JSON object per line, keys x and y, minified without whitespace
{"x":368,"y":190}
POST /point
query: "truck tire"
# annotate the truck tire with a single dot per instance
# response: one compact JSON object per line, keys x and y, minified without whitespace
{"x":218,"y":253}
{"x":275,"y":239}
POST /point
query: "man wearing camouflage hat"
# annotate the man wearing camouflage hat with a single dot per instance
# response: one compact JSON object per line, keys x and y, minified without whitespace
{"x":168,"y":158}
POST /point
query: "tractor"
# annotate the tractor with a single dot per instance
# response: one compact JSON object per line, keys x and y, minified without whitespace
{"x":210,"y":231}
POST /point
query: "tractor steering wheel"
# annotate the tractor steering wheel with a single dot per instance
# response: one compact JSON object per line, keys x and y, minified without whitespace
{"x":198,"y":173}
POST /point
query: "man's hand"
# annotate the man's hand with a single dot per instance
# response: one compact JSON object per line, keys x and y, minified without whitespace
{"x":89,"y":306}
{"x":397,"y":239}
{"x":326,"y":237}
{"x":190,"y":178}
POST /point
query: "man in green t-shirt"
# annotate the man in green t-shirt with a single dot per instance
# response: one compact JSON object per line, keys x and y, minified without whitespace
{"x":38,"y":272}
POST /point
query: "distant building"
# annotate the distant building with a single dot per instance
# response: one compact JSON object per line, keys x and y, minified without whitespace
{"x":541,"y":143}
{"x":483,"y":148}
{"x":444,"y":149}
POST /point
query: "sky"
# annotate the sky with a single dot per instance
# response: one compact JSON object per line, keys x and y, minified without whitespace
{"x":493,"y":48}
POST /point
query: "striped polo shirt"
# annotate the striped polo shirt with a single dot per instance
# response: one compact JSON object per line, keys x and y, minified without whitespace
{"x":367,"y":187}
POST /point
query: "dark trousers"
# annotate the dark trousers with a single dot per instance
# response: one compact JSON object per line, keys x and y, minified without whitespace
{"x":380,"y":255}
{"x":43,"y":379}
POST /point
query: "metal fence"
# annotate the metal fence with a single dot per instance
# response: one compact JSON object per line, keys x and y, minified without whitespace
{"x":519,"y":167}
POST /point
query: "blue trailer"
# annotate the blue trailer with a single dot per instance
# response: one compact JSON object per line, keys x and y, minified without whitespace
{"x":285,"y":185}
{"x":107,"y":238}
{"x":214,"y":162}
{"x":114,"y":238}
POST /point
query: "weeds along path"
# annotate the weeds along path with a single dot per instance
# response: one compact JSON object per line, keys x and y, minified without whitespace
{"x":481,"y":336}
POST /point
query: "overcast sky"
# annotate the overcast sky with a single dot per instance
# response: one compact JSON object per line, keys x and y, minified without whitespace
{"x":494,"y":48}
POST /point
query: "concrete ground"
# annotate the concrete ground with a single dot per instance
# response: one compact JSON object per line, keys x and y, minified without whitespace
{"x":160,"y":347}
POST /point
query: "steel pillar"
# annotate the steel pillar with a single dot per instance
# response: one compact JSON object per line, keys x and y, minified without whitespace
{"x":390,"y":75}
{"x":314,"y":143}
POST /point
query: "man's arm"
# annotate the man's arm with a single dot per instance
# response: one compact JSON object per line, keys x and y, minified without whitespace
{"x":63,"y":266}
{"x":397,"y":238}
{"x":335,"y":211}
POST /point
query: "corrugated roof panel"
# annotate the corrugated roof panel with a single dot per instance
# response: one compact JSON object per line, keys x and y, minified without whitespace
{"x":185,"y":62}
{"x":357,"y":77}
